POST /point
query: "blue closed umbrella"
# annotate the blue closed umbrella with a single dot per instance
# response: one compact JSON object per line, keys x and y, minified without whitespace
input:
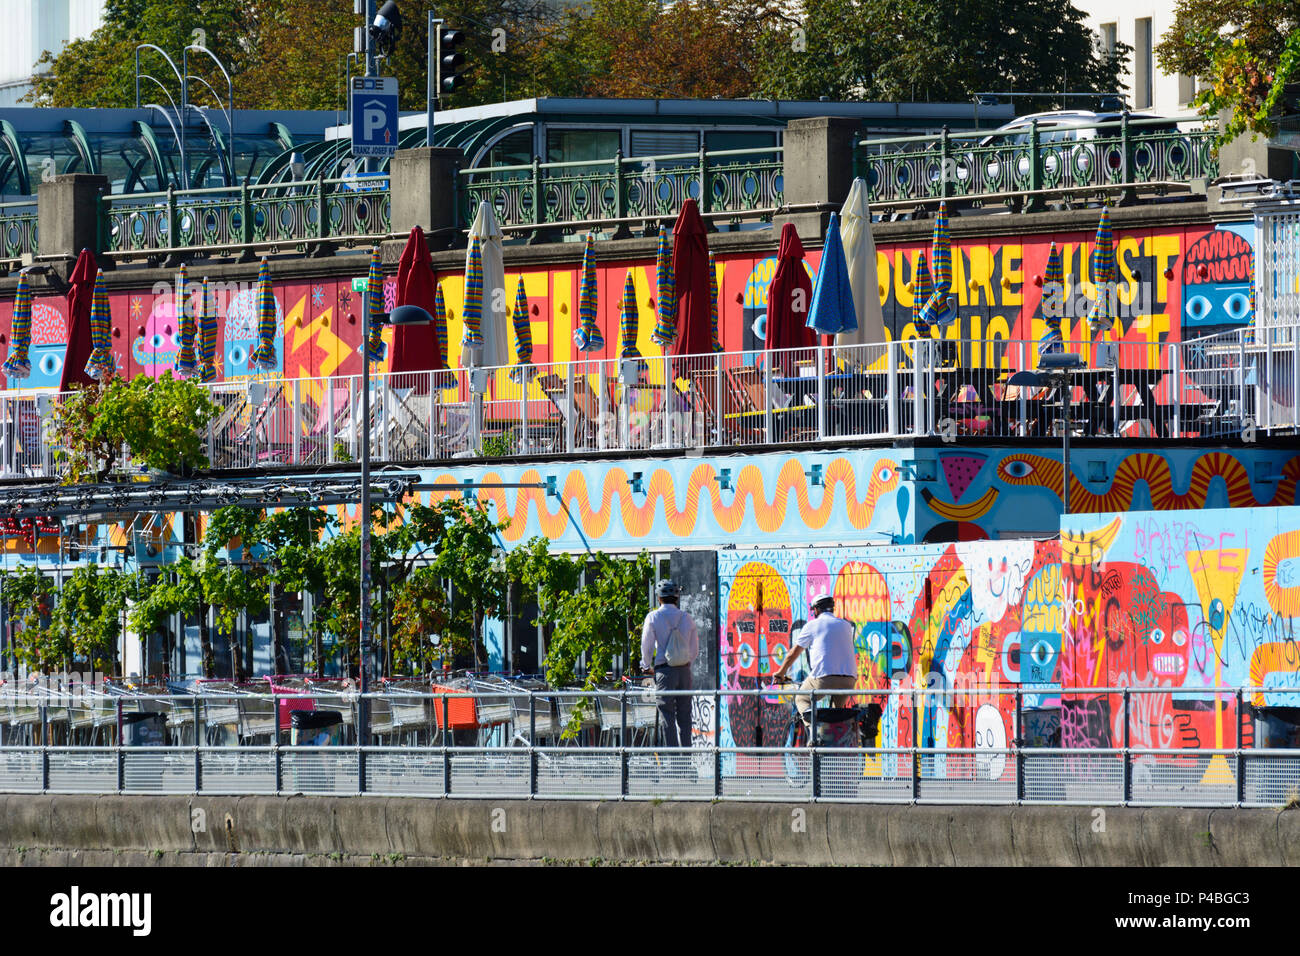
{"x":832,"y":310}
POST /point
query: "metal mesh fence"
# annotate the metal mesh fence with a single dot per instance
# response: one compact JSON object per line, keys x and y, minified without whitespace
{"x":579,"y":773}
{"x":20,"y":771}
{"x":1270,"y":781}
{"x":319,"y":770}
{"x":419,"y":773}
{"x":158,"y":771}
{"x":83,"y":771}
{"x":490,"y":773}
{"x":237,"y":771}
{"x":1073,"y":777}
{"x":669,"y":775}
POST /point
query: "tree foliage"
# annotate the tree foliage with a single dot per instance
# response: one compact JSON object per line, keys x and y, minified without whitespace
{"x":915,"y":50}
{"x":27,"y":595}
{"x":290,"y":54}
{"x":159,"y":419}
{"x":1245,"y":50}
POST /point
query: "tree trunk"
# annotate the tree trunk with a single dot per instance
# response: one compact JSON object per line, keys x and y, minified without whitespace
{"x":205,"y":643}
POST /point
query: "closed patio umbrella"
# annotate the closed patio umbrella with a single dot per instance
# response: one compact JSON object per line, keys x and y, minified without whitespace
{"x":263,"y":356}
{"x":629,"y":320}
{"x":832,"y":310}
{"x":100,"y":366}
{"x":1102,"y":266}
{"x":921,"y":290}
{"x":666,"y":305}
{"x":185,"y":361}
{"x":713,"y":304}
{"x":937,"y":309}
{"x":18,"y":366}
{"x":471,"y":341}
{"x":418,"y":348}
{"x":524,"y":369}
{"x":207,"y":336}
{"x":494,"y":311}
{"x":587,"y":336}
{"x":691,"y":282}
{"x":789,"y":295}
{"x":80,"y":291}
{"x":1053,"y":301}
{"x":375,"y":348}
{"x":860,"y":260}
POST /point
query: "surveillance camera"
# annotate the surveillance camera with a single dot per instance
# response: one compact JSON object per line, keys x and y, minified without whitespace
{"x":387,"y":28}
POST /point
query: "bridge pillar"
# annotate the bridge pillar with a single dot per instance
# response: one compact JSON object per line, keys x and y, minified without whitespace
{"x":69,"y":217}
{"x":425,"y":193}
{"x":818,"y":172}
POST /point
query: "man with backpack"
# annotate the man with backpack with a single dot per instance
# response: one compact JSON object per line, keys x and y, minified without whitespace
{"x":669,"y":644}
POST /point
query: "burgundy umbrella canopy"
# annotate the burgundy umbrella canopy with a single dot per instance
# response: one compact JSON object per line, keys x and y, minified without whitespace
{"x":81,"y":289}
{"x":789,"y":297}
{"x":416,"y":347}
{"x":691,"y":272}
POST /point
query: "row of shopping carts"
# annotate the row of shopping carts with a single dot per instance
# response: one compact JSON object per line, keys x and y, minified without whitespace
{"x":467,"y":710}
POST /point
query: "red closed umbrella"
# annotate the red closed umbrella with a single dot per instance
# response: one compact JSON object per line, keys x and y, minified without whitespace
{"x":416,"y":347}
{"x":81,"y":289}
{"x":789,"y":297}
{"x":691,"y":274}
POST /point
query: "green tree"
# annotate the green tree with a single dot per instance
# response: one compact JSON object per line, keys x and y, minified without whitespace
{"x":596,"y":619}
{"x":160,"y":420}
{"x":232,"y":588}
{"x":28,"y":594}
{"x":915,"y":50}
{"x":1246,"y":51}
{"x":176,"y":589}
{"x":100,"y":69}
{"x":88,"y":617}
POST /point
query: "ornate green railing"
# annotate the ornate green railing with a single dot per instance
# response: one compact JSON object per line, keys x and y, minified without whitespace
{"x":731,"y":186}
{"x":18,"y":229}
{"x":294,"y":214}
{"x":1151,"y":155}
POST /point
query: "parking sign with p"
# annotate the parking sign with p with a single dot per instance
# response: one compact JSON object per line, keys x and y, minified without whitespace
{"x":374,"y":116}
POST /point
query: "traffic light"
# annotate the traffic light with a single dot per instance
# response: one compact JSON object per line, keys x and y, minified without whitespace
{"x":451,"y":64}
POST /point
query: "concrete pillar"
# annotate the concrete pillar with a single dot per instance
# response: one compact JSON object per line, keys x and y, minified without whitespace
{"x":818,"y":170}
{"x":425,"y":193}
{"x":68,"y":215}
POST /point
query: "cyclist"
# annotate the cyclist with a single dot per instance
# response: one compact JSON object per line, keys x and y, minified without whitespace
{"x":832,"y":661}
{"x":655,"y":634}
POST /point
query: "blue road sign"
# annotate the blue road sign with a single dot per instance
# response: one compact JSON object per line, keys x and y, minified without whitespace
{"x":374,"y":116}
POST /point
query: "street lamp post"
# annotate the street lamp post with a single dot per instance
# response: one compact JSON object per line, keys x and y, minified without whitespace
{"x":402,"y":315}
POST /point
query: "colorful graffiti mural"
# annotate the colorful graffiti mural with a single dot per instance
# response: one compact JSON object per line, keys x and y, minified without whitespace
{"x":962,"y":619}
{"x":1175,"y":283}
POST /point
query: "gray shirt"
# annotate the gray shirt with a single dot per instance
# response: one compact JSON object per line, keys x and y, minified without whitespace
{"x":658,"y":625}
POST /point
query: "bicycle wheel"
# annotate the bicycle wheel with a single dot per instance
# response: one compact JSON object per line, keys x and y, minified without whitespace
{"x":796,"y":739}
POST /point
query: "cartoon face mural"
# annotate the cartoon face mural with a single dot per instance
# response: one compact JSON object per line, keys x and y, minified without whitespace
{"x":758,"y":630}
{"x":241,"y":332}
{"x":1217,"y":274}
{"x":49,"y":345}
{"x":155,"y":352}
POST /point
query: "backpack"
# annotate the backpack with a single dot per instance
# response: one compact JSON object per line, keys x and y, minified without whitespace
{"x":676,"y":651}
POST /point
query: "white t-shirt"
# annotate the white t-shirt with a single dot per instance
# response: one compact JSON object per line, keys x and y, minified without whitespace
{"x":828,"y":642}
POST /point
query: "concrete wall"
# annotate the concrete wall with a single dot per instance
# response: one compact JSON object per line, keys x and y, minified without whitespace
{"x":113,"y":830}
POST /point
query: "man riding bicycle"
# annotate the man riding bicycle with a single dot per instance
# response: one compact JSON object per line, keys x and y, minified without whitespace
{"x":832,"y":661}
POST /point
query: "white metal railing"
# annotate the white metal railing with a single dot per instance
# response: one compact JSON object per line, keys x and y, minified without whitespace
{"x":215,"y":742}
{"x":1230,"y":384}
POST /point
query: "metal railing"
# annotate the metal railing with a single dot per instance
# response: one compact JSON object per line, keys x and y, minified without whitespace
{"x":1041,"y":748}
{"x":18,"y":223}
{"x":298,"y":215}
{"x":733,"y":185}
{"x":1223,"y":385}
{"x":1021,"y":166}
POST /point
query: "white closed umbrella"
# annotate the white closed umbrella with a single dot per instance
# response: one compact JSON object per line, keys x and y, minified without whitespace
{"x":496,"y":309}
{"x":860,"y":258}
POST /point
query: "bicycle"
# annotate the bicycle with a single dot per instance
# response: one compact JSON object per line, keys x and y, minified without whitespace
{"x":836,"y":727}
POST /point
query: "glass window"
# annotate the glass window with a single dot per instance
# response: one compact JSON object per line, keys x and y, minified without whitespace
{"x":656,"y":142}
{"x":578,"y":145}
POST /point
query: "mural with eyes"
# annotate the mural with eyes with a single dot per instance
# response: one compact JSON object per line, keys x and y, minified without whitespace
{"x":1217,"y":274}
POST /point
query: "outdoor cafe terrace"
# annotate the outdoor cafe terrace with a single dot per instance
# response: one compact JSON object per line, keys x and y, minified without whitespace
{"x":1230,"y":385}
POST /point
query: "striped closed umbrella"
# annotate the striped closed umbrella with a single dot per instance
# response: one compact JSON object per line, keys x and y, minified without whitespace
{"x":629,"y":320}
{"x":207,"y":337}
{"x":921,"y":290}
{"x":666,"y":293}
{"x":18,"y":365}
{"x":524,"y":369}
{"x":1053,"y":300}
{"x":263,"y":356}
{"x":185,"y":363}
{"x":375,"y":348}
{"x":1102,"y":265}
{"x":716,"y":343}
{"x":936,"y":308}
{"x":101,"y":366}
{"x":472,"y":313}
{"x":443,"y":377}
{"x":587,"y":335}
